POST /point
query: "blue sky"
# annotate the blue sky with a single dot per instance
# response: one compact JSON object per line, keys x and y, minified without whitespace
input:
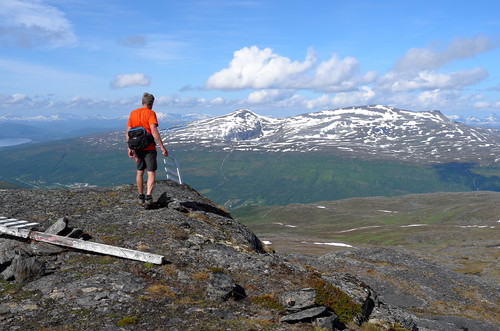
{"x":277,"y":58}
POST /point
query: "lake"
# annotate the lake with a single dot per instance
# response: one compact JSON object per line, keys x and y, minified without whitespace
{"x":13,"y":141}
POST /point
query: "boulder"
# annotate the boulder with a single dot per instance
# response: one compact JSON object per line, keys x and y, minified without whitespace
{"x":327,"y":322}
{"x":59,"y":227}
{"x":306,"y":315}
{"x":221,"y":287}
{"x":27,"y":269}
{"x":295,"y":301}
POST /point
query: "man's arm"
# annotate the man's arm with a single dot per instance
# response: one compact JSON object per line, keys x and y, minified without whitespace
{"x":130,"y":152}
{"x":156,"y":135}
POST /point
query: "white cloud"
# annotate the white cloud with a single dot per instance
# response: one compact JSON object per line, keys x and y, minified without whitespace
{"x":33,"y":22}
{"x":268,"y":96}
{"x":424,"y":80}
{"x":16,"y":98}
{"x":127,"y":80}
{"x":482,"y":104}
{"x":439,"y":99}
{"x":363,"y":95}
{"x":217,"y":101}
{"x":275,"y":79}
{"x":417,"y":59}
{"x":252,"y":67}
{"x":335,"y":74}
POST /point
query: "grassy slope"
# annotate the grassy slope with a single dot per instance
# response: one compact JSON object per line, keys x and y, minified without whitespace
{"x":242,"y":178}
{"x":457,"y":229}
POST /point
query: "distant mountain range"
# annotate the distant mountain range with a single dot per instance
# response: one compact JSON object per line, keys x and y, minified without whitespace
{"x":243,"y":158}
{"x":61,"y":126}
{"x":491,"y":121}
{"x":368,"y":132}
{"x":19,"y":130}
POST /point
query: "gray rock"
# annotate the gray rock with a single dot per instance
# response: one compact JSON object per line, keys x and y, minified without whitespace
{"x":221,"y":287}
{"x":295,"y":301}
{"x":58,"y":227}
{"x":8,"y":274}
{"x":327,"y":322}
{"x":75,"y":233}
{"x":306,"y":315}
{"x":27,"y":269}
{"x":7,"y":254}
{"x":41,"y":248}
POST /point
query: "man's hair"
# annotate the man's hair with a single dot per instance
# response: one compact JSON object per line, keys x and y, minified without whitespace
{"x":148,"y":99}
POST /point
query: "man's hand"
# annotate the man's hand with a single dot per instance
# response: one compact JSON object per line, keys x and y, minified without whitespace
{"x":164,"y":151}
{"x":131,"y":154}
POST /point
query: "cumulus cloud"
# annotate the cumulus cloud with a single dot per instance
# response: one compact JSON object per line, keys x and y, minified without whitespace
{"x":255,"y":68}
{"x":252,"y":67}
{"x":127,"y":80}
{"x":419,"y":78}
{"x":335,"y":74}
{"x":32,"y":22}
{"x":419,"y":68}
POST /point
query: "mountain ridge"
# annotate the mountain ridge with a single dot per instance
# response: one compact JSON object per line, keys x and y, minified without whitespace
{"x":368,"y":132}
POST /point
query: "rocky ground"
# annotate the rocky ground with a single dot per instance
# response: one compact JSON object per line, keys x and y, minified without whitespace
{"x":217,"y":275}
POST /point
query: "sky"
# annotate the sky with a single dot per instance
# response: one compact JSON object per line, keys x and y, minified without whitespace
{"x":276,"y":58}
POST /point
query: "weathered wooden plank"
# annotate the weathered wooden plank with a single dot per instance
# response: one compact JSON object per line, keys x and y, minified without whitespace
{"x":26,"y":225}
{"x":84,"y":245}
{"x":7,"y":220}
{"x":14,"y":232}
{"x":13,"y":223}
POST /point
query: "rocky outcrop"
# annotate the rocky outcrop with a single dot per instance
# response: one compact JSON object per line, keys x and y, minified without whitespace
{"x":217,"y":275}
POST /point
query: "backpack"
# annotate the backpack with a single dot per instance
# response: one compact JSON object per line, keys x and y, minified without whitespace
{"x":139,"y":138}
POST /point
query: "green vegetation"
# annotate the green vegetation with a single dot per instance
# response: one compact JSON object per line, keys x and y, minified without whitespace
{"x":238,"y":178}
{"x":127,"y":321}
{"x":268,"y":301}
{"x":332,"y":297}
{"x":4,"y":185}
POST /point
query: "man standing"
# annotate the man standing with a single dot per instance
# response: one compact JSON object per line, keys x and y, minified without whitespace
{"x":146,"y":159}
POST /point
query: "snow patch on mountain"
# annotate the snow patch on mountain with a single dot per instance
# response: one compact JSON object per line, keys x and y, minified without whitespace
{"x":369,"y":131}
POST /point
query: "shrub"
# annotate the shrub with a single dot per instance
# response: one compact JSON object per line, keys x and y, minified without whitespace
{"x":160,"y":290}
{"x":126,"y":321}
{"x":332,"y":297}
{"x":268,"y":301}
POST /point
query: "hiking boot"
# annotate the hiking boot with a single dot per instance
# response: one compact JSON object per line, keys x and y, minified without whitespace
{"x":142,"y":197}
{"x":148,"y":202}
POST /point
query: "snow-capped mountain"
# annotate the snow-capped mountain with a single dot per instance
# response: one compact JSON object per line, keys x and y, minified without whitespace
{"x":490,"y":121}
{"x":368,"y":131}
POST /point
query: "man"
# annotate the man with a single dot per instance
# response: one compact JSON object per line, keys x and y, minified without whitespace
{"x":146,"y":159}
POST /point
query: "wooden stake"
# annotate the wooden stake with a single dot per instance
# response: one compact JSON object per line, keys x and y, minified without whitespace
{"x":81,"y":244}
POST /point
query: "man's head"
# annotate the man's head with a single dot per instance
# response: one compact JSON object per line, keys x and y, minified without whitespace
{"x":148,"y":100}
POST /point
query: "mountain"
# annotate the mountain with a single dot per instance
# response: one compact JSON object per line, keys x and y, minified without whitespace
{"x":491,"y":121}
{"x":368,"y":132}
{"x":246,"y":159}
{"x":215,"y":274}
